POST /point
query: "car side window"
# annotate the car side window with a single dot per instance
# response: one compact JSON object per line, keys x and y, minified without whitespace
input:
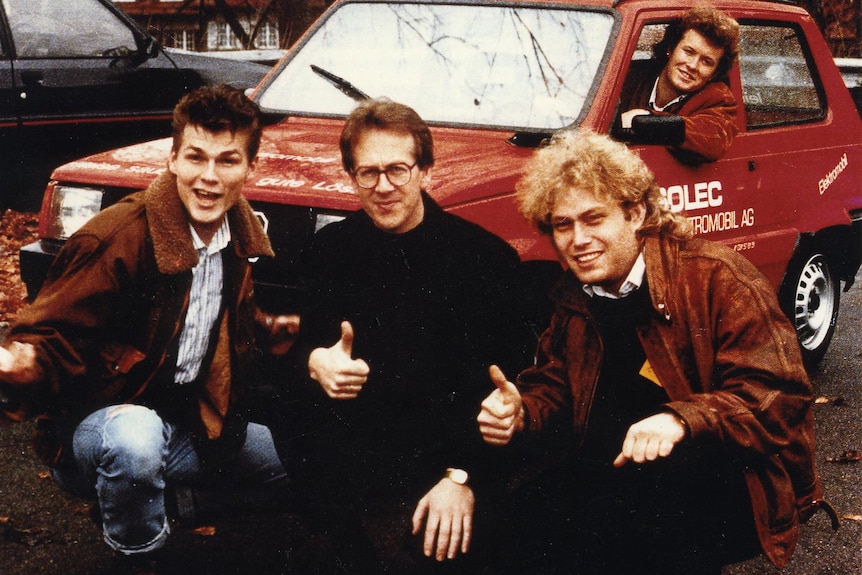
{"x":778,"y":85}
{"x":643,"y":60}
{"x":52,"y":29}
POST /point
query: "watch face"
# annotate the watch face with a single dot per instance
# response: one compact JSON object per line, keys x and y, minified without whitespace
{"x":459,"y":476}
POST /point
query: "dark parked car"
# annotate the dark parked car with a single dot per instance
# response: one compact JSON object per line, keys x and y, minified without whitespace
{"x":79,"y":76}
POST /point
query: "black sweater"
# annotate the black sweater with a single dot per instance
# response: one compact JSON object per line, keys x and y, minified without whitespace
{"x":431,"y":310}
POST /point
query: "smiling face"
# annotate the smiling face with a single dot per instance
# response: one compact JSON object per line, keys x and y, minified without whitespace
{"x":394,"y":209}
{"x":595,"y":238}
{"x":211,"y":168}
{"x":691,"y":64}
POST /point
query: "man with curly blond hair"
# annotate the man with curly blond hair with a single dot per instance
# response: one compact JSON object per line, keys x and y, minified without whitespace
{"x":670,"y":368}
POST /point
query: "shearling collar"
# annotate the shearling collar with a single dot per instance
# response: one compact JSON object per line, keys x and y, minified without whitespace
{"x":172,"y":239}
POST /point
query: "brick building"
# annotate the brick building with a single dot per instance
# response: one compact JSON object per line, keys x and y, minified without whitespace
{"x":224,"y":25}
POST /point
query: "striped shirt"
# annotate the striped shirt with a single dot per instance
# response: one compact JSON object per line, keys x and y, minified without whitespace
{"x":204,"y":304}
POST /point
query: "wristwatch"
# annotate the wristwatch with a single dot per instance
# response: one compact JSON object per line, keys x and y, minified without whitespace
{"x":459,"y":476}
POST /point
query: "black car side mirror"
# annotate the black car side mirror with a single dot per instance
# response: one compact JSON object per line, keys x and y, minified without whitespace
{"x":150,"y":47}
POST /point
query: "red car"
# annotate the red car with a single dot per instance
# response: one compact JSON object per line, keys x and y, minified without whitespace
{"x":496,"y":78}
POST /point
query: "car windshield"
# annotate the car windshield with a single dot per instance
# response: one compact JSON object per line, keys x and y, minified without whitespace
{"x":521,"y":68}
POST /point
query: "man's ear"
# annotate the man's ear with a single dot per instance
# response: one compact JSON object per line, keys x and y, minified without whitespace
{"x":251,"y":167}
{"x":637,"y":213}
{"x":425,"y":180}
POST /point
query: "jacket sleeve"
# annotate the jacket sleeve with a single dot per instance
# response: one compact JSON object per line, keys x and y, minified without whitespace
{"x":69,"y":317}
{"x":710,"y":123}
{"x":755,"y":393}
{"x":544,"y":387}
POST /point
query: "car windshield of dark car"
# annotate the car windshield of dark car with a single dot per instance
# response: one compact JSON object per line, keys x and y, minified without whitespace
{"x":54,"y":29}
{"x":498,"y":66}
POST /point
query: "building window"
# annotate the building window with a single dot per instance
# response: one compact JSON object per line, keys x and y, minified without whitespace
{"x":182,"y":39}
{"x":267,"y":37}
{"x":221,"y":37}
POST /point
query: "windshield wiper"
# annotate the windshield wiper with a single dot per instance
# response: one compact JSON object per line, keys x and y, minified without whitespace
{"x":346,"y":87}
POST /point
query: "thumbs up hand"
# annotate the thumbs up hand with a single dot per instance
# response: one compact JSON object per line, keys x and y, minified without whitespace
{"x":334,"y":368}
{"x":502,"y":411}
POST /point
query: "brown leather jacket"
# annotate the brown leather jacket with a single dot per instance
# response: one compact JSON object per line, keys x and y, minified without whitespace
{"x":728,"y":359}
{"x":112,"y":308}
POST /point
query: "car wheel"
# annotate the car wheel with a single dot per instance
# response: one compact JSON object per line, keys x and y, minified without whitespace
{"x":810,"y":298}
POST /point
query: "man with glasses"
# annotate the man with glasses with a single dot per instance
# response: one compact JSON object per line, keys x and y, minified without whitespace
{"x":418,"y":303}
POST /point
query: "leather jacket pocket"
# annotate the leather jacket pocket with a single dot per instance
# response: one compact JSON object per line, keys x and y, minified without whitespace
{"x":118,"y":359}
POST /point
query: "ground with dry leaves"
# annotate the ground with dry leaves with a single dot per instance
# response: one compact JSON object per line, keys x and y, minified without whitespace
{"x":16,"y":229}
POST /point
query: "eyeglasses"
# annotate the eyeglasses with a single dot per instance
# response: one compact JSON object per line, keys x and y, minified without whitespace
{"x":398,"y":175}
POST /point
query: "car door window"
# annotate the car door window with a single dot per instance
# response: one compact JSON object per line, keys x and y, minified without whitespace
{"x":778,"y":85}
{"x":50,"y":29}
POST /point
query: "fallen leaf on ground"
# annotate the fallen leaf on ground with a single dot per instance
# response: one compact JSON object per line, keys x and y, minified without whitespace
{"x":838,"y":401}
{"x":83,"y":509}
{"x":849,"y":456}
{"x":206,"y":531}
{"x":29,"y":537}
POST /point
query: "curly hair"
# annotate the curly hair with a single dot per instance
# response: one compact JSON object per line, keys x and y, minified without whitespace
{"x":717,"y":27}
{"x":218,"y":108}
{"x":607,"y":168}
{"x":384,"y":114}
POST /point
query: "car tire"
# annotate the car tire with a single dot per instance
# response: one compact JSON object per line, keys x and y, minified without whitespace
{"x":810,"y":297}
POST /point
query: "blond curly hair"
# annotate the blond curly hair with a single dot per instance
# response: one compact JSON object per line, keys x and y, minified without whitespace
{"x":607,"y":168}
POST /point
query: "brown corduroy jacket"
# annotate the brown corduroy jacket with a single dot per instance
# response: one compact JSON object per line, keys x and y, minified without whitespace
{"x":726,"y":356}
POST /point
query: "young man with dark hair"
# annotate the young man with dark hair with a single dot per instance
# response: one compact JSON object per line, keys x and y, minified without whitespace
{"x":136,"y":350}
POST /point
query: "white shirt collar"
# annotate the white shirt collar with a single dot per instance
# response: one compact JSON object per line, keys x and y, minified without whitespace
{"x":219,"y":242}
{"x":657,"y":108}
{"x":634,"y":280}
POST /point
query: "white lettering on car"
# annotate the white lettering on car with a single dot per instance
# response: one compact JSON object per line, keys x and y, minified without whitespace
{"x":699,"y":196}
{"x":833,"y":175}
{"x":280,"y":183}
{"x":334,"y":187}
{"x":295,"y":158}
{"x":722,"y":221}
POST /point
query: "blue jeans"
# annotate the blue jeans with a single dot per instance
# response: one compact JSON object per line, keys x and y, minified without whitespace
{"x":127,"y":453}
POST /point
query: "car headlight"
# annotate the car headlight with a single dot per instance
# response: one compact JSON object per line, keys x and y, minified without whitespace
{"x":71,"y":207}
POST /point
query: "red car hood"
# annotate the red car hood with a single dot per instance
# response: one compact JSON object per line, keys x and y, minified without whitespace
{"x":299,"y":163}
